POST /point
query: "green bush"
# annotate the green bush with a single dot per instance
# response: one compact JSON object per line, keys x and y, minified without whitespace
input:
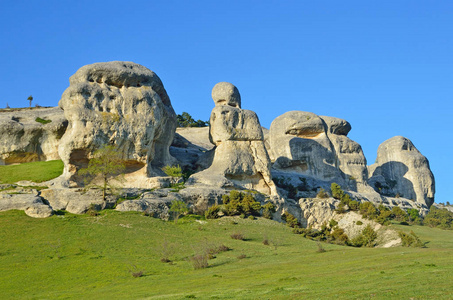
{"x":441,"y":218}
{"x":238,"y":203}
{"x":410,"y":240}
{"x":291,"y":221}
{"x":268,"y":210}
{"x":337,"y":192}
{"x":399,"y":214}
{"x":368,"y":210}
{"x":322,"y":194}
{"x":212,"y":212}
{"x":172,"y":171}
{"x":366,"y":238}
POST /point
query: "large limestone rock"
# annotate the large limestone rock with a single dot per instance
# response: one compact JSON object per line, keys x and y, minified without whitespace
{"x":401,"y":170}
{"x":30,"y":134}
{"x":303,"y":143}
{"x":120,"y":103}
{"x":240,"y":159}
{"x":299,"y":143}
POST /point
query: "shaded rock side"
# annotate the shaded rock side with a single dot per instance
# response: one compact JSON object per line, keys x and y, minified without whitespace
{"x":28,"y":135}
{"x":402,"y":171}
{"x":120,"y":103}
{"x":349,"y":154}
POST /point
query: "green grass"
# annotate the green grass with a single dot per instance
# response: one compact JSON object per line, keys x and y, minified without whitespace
{"x":38,"y":171}
{"x":82,"y":257}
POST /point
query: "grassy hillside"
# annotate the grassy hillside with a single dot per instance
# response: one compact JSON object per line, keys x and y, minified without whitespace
{"x":38,"y":171}
{"x":74,"y":257}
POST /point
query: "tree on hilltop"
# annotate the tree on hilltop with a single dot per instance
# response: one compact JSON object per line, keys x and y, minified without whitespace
{"x":186,"y":120}
{"x":30,"y":98}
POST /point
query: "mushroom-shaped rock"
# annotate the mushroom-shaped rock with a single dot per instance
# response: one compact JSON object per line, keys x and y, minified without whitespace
{"x":240,"y":157}
{"x":119,"y":103}
{"x":401,"y":170}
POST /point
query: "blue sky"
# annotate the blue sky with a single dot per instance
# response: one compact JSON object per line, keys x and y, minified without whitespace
{"x":385,"y":66}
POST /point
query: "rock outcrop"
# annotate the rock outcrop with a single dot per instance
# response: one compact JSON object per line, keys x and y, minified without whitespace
{"x":120,"y":103}
{"x":318,"y":147}
{"x":402,"y":171}
{"x":30,"y":134}
{"x":32,"y":204}
{"x":240,"y":159}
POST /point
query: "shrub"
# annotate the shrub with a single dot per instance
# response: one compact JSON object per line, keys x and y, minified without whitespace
{"x":366,"y":238}
{"x":268,"y":210}
{"x":322,"y":194}
{"x":212,"y":212}
{"x":93,"y":210}
{"x":178,"y":208}
{"x":441,"y":218}
{"x":172,"y":171}
{"x":354,"y":205}
{"x":359,"y":223}
{"x":291,"y":221}
{"x":337,"y":192}
{"x":340,"y":236}
{"x":413,"y":215}
{"x":252,"y":217}
{"x":237,"y":236}
{"x":368,"y":210}
{"x":320,"y":248}
{"x":242,"y":256}
{"x":332,"y":223}
{"x":410,"y":240}
{"x":399,"y":214}
{"x":199,"y":261}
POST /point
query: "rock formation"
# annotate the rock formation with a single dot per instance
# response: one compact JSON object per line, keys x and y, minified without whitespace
{"x":402,"y":171}
{"x":318,"y":147}
{"x":120,"y":103}
{"x":30,"y":134}
{"x":240,"y":158}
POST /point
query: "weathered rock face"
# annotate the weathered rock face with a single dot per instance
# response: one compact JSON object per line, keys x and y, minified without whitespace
{"x":240,"y":158}
{"x":401,"y":170}
{"x":120,"y":103}
{"x":304,"y":143}
{"x":349,"y":154}
{"x":31,"y":134}
{"x":299,"y":143}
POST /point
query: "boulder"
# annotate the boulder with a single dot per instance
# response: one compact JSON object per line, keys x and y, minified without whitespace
{"x":75,"y":200}
{"x":240,"y":157}
{"x":30,"y":134}
{"x":30,"y":203}
{"x":119,"y":103}
{"x":401,"y":171}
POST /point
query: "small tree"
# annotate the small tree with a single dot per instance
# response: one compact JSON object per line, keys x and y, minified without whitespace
{"x":30,"y":98}
{"x":178,"y":208}
{"x":106,"y":163}
{"x":7,"y":106}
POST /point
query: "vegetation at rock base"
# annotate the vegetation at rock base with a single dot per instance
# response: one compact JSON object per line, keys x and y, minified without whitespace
{"x":106,"y":163}
{"x":38,"y":171}
{"x":186,"y":120}
{"x":440,"y":218}
{"x":92,"y":257}
{"x":172,"y":171}
{"x":178,"y":208}
{"x":237,"y":203}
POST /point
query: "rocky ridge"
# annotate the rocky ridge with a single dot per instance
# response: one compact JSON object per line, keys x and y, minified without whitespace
{"x":125,"y":104}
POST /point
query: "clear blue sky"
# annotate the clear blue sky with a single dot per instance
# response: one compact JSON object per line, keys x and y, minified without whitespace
{"x":385,"y":66}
